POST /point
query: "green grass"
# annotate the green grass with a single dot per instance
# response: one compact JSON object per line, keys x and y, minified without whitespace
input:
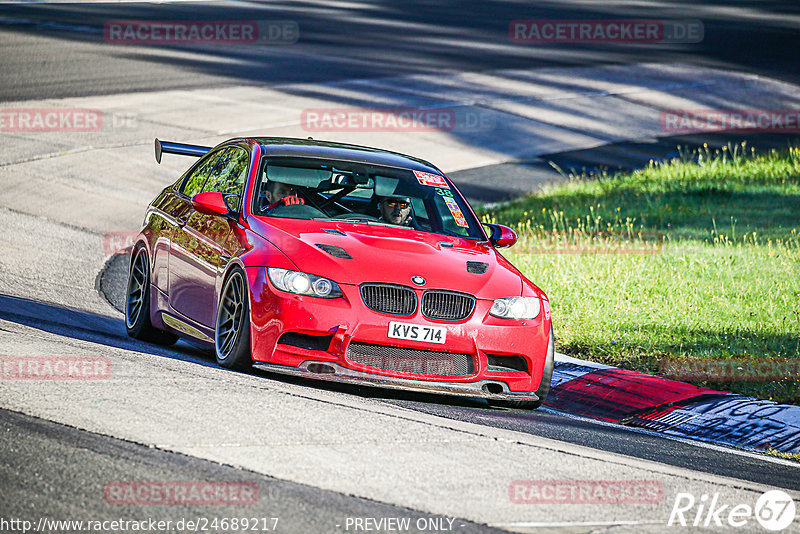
{"x":697,"y":257}
{"x":786,"y":455}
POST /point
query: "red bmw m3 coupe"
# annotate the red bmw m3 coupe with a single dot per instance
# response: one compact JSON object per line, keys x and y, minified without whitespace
{"x":338,"y":262}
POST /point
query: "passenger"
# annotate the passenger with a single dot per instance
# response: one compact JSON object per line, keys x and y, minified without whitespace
{"x":396,"y":210}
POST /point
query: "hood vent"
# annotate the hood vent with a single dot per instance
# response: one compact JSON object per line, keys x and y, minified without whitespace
{"x":333,"y":231}
{"x":477,"y":267}
{"x":336,"y":252}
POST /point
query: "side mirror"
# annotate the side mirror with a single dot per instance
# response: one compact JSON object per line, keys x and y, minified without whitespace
{"x":501,"y":236}
{"x":211,"y":203}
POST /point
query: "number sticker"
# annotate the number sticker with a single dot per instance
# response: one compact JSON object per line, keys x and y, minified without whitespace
{"x":444,"y":192}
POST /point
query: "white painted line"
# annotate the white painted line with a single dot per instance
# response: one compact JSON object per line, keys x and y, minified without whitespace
{"x":563,"y":358}
{"x":100,"y":2}
{"x":536,"y":524}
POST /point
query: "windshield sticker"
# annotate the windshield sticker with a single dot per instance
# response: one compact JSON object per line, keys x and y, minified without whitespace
{"x":455,"y":211}
{"x":433,"y":180}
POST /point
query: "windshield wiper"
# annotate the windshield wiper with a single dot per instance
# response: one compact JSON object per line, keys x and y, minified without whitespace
{"x":352,"y":218}
{"x":357,"y":219}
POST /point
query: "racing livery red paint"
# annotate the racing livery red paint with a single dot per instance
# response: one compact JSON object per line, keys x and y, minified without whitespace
{"x":338,"y":262}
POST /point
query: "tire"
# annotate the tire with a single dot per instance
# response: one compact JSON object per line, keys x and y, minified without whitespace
{"x":137,"y":303}
{"x":544,"y":386}
{"x":232,"y":331}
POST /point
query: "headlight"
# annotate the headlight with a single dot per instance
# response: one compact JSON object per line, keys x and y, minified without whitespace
{"x":516,"y":308}
{"x":303,"y":283}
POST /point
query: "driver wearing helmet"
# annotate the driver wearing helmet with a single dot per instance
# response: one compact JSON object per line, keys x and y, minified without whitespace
{"x":280,"y":194}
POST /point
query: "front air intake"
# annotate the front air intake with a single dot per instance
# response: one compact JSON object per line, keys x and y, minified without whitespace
{"x":306,"y":341}
{"x":412,"y":361}
{"x":505,"y":363}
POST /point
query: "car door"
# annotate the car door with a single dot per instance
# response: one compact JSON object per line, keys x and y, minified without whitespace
{"x":201,"y":248}
{"x":176,"y":207}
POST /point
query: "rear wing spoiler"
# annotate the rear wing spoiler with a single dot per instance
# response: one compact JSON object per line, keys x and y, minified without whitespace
{"x":168,"y":147}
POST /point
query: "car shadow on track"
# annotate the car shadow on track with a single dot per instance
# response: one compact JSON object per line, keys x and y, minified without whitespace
{"x":110,"y":331}
{"x":90,"y":327}
{"x":378,"y":393}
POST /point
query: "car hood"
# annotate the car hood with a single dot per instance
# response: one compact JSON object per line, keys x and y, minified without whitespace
{"x":393,"y":255}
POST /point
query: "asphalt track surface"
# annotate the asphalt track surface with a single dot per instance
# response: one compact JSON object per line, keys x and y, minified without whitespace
{"x":57,"y":50}
{"x":58,"y":469}
{"x":72,"y":468}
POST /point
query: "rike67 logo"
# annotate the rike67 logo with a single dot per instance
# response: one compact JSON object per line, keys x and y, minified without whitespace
{"x":774,"y":511}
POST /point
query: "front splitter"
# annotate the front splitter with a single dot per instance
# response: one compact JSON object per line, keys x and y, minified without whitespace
{"x":481,"y":388}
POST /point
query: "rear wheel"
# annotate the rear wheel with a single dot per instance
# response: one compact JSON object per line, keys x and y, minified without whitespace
{"x":544,"y":386}
{"x":232,"y":335}
{"x":137,"y":303}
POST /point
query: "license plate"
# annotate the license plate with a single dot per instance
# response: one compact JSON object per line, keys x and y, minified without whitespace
{"x":417,"y":332}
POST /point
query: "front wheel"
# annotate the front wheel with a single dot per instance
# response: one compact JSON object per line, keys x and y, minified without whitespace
{"x":137,"y":303}
{"x":232,"y":333}
{"x":544,"y":386}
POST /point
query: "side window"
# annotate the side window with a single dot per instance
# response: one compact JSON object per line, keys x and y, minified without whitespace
{"x":195,"y":182}
{"x":229,"y":176}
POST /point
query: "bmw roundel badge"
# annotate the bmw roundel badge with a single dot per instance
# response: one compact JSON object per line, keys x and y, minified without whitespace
{"x":418,"y":280}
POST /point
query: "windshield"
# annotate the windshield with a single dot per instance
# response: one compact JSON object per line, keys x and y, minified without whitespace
{"x":350,"y":192}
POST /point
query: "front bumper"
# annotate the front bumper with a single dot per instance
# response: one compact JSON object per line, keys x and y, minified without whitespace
{"x":346,"y":320}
